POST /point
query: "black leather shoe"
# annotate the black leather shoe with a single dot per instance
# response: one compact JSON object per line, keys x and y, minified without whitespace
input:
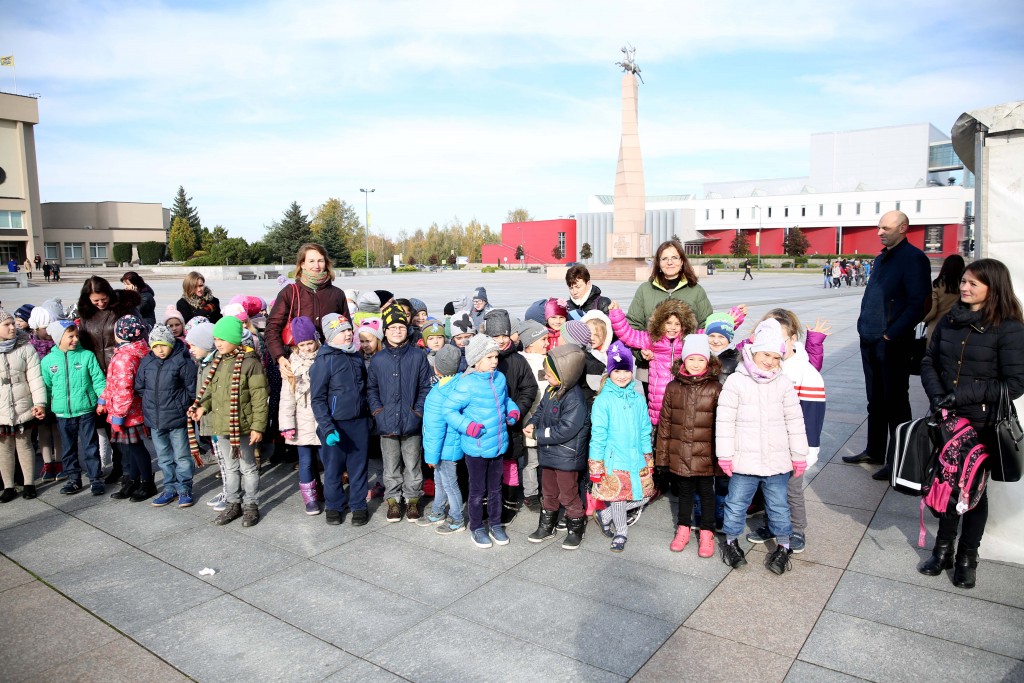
{"x":863,"y":456}
{"x":941,"y":559}
{"x":966,"y":568}
{"x":884,"y":474}
{"x":333,"y":517}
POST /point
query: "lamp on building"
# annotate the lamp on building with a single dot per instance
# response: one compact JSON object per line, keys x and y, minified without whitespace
{"x":366,"y":217}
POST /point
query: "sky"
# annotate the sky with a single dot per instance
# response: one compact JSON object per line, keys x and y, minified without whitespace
{"x":468,"y":109}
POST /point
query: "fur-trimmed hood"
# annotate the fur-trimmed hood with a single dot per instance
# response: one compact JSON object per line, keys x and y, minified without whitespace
{"x":666,"y":309}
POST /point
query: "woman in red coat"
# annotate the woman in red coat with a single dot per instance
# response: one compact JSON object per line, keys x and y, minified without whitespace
{"x":313,"y":295}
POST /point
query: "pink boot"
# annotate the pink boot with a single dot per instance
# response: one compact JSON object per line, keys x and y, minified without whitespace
{"x":308,"y":491}
{"x":681,"y":539}
{"x":707,"y":544}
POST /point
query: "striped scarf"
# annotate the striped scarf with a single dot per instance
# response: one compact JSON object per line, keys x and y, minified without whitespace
{"x":233,"y":422}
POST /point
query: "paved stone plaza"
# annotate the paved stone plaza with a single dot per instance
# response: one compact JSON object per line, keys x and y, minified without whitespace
{"x":96,"y":589}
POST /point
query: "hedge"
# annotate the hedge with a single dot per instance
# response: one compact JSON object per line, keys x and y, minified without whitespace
{"x":123,"y":252}
{"x":150,"y":253}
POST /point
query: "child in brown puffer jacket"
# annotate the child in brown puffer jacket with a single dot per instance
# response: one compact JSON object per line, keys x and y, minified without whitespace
{"x":686,"y":439}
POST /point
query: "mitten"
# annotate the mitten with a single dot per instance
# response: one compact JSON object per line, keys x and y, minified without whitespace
{"x":333,"y":438}
{"x":288,"y":434}
{"x":596,"y":478}
{"x":474,"y":429}
{"x":799,"y":467}
{"x":513,"y":417}
{"x":726,"y":466}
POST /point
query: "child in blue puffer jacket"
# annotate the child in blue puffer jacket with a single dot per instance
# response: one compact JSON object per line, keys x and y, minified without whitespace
{"x":481,"y":411}
{"x":442,"y":445}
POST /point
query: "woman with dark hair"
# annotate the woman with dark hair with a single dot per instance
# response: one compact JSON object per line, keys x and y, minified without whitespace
{"x":197,"y":299}
{"x":313,"y":295}
{"x":975,"y":352}
{"x":945,"y":291}
{"x":133,"y":282}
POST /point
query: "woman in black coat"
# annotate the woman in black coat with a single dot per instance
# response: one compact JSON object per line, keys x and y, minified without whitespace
{"x":976,"y":350}
{"x":133,"y":282}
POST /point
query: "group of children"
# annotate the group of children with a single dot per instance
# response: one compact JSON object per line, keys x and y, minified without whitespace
{"x":545,"y":411}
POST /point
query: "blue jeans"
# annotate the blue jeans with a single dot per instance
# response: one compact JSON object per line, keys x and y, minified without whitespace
{"x":776,"y":505}
{"x":348,"y":455}
{"x":308,"y":457}
{"x":446,"y":490}
{"x":175,"y":459}
{"x":78,"y":437}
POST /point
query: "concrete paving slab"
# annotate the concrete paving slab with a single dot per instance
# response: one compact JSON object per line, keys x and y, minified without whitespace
{"x":618,"y":581}
{"x":228,"y":640}
{"x":237,"y":559}
{"x":132,"y":590}
{"x":359,"y":617}
{"x":846,"y":486}
{"x":119,"y":661}
{"x":57,"y":543}
{"x":362,"y":671}
{"x":698,"y":656}
{"x":466,"y":652}
{"x":407,"y":569}
{"x":833,"y":533}
{"x":960,"y":618}
{"x":877,"y":652}
{"x":33,"y":615}
{"x":12,"y":575}
{"x":769,"y":612}
{"x":460,"y":545}
{"x":288,"y":528}
{"x":137,"y":523}
{"x":22,"y":511}
{"x":802,"y":672}
{"x":562,"y":622}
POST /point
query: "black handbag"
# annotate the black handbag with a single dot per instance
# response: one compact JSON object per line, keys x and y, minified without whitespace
{"x":1008,"y":460}
{"x":918,"y":348}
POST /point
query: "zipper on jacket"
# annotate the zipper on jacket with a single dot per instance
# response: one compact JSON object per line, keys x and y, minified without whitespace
{"x":159,"y":369}
{"x":67,"y":383}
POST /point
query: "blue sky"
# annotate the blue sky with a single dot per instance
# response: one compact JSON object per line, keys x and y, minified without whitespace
{"x":469,"y":109}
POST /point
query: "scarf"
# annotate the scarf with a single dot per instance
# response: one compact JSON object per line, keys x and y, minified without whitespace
{"x":200,"y":302}
{"x":7,"y":345}
{"x":313,"y":281}
{"x":233,"y":422}
{"x":583,"y":299}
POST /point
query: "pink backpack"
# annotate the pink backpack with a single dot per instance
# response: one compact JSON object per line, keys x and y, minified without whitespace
{"x":960,"y":475}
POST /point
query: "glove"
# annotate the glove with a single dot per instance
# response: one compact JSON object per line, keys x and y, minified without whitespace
{"x":726,"y":466}
{"x":288,"y":434}
{"x":799,"y":467}
{"x":947,"y":401}
{"x":513,"y":417}
{"x":596,"y":478}
{"x":474,"y":429}
{"x":333,"y":438}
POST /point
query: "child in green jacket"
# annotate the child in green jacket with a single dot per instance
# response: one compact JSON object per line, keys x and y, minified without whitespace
{"x":74,"y":381}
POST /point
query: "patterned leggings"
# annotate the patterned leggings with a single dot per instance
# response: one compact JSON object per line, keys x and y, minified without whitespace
{"x":616,"y":513}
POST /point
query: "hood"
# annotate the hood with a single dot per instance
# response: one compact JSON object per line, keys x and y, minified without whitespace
{"x":664,"y":310}
{"x":601,"y":317}
{"x":568,"y":360}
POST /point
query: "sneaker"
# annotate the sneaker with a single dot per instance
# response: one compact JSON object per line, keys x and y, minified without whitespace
{"x":394,"y":510}
{"x":682,"y":537}
{"x":450,"y":526}
{"x":797,"y":542}
{"x":376,"y":491}
{"x":618,"y":544}
{"x":185,"y":500}
{"x":333,"y":517}
{"x":412,"y":510}
{"x":221,"y":505}
{"x":732,"y":554}
{"x":606,"y":527}
{"x":58,"y":467}
{"x":706,"y":547}
{"x":165,"y":498}
{"x":360,"y":517}
{"x":97,"y":488}
{"x":432,"y":518}
{"x":499,"y":535}
{"x":219,"y":498}
{"x":633,"y":516}
{"x":481,"y":539}
{"x":762,"y":535}
{"x":778,"y":562}
{"x":48,"y":472}
{"x":71,"y":486}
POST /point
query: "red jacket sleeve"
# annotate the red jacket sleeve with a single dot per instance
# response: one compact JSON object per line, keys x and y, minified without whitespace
{"x":120,"y":389}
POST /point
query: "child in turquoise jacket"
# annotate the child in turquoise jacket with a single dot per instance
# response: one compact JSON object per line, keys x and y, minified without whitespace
{"x":442,"y":445}
{"x":74,"y":381}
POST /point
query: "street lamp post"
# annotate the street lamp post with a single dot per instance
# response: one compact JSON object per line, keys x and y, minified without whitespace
{"x":758,"y":207}
{"x":366,"y":217}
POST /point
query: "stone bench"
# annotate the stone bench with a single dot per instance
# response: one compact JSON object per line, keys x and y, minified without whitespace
{"x":247,"y":275}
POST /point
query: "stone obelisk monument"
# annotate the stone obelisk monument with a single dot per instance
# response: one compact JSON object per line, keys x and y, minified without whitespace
{"x":629,"y":245}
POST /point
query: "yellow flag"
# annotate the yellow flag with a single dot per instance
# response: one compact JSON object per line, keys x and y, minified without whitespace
{"x":7,"y":61}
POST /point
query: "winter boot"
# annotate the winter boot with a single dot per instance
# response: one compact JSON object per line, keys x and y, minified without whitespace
{"x":146,"y":489}
{"x":707,"y":544}
{"x":681,"y":539}
{"x":965,"y":567}
{"x":308,"y":491}
{"x":732,"y":554}
{"x":509,"y":503}
{"x":545,"y":527}
{"x":250,"y":514}
{"x":942,"y":558}
{"x":28,"y":492}
{"x":232,"y":512}
{"x":576,"y":527}
{"x":127,"y":489}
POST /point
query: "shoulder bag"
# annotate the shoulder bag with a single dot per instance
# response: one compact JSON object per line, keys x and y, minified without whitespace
{"x":1009,"y":443}
{"x":286,"y":332}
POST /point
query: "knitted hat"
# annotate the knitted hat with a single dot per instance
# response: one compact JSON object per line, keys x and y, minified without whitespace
{"x":57,"y":328}
{"x":554,"y":308}
{"x":530,"y":331}
{"x":235,"y":311}
{"x":447,"y":359}
{"x":161,"y":334}
{"x":172,"y":312}
{"x":619,"y":357}
{"x":480,"y":293}
{"x":332,"y":324}
{"x":696,"y":345}
{"x":201,"y":335}
{"x":372,"y":326}
{"x":252,"y":305}
{"x":24,"y":312}
{"x":418,"y":306}
{"x":720,"y":323}
{"x":478,"y":348}
{"x":129,"y":328}
{"x":229,"y":329}
{"x":4,"y":315}
{"x":497,"y":322}
{"x":384,"y":296}
{"x":768,"y":337}
{"x":457,"y":305}
{"x":434,"y":329}
{"x":394,"y":315}
{"x":46,"y":313}
{"x":461,"y":323}
{"x":303,"y":329}
{"x":194,"y":322}
{"x":577,"y":332}
{"x":368,"y":302}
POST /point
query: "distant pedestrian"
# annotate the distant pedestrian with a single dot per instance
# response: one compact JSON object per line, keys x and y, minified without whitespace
{"x":746,"y":270}
{"x":39,"y":262}
{"x":28,"y":268}
{"x":46,"y":271}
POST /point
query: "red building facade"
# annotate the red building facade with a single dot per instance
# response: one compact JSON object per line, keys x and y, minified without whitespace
{"x":538,"y":239}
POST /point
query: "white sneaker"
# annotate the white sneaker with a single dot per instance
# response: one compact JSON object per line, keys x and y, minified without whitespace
{"x":216,"y":500}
